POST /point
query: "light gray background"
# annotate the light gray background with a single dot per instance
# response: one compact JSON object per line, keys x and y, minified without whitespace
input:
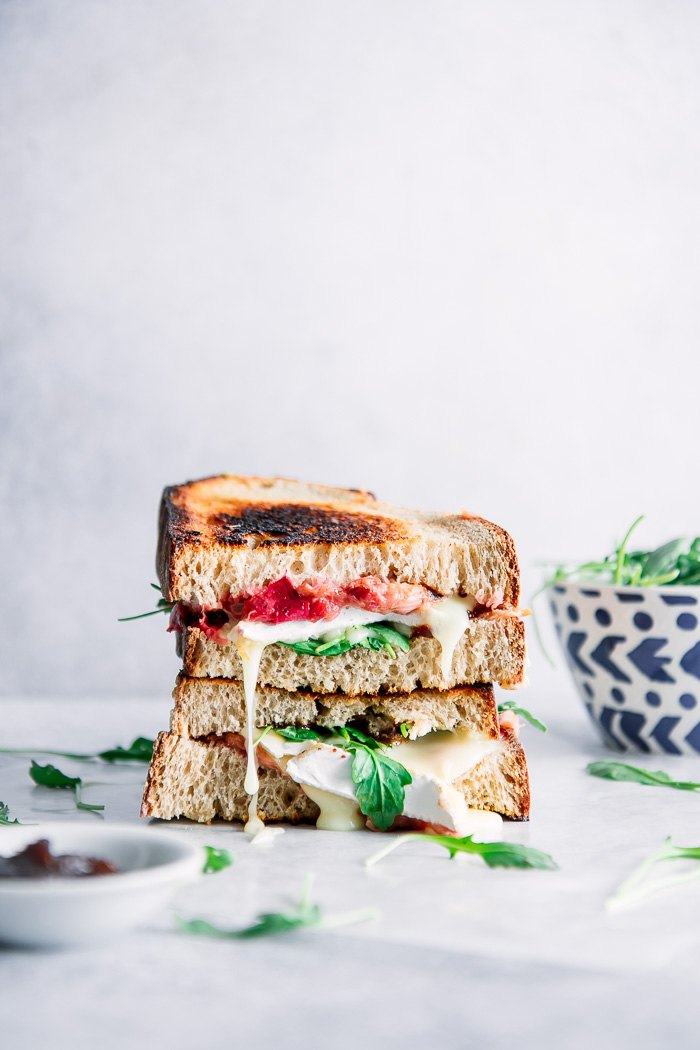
{"x":444,"y":250}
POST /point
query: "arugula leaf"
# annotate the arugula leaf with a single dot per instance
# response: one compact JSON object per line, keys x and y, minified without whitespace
{"x":621,"y":550}
{"x":379,"y":780}
{"x":49,"y":776}
{"x":356,"y":736}
{"x":510,"y":705}
{"x":631,"y":890}
{"x":140,"y":751}
{"x":622,"y":771}
{"x":390,"y":638}
{"x":664,"y":559}
{"x":298,"y":733}
{"x":217,"y":860}
{"x":162,"y":606}
{"x":268,"y":923}
{"x":315,"y":647}
{"x":305,"y":915}
{"x":5,"y":815}
{"x":379,"y":783}
{"x":376,"y":636}
{"x":495,"y":854}
{"x":266,"y":730}
{"x":676,"y":562}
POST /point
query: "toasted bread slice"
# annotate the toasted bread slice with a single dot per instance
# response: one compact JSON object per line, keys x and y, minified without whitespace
{"x":202,"y":781}
{"x":217,"y":705}
{"x":222,"y":535}
{"x":491,"y":650}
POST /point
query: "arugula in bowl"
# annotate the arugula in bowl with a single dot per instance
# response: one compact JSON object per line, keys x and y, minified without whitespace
{"x":676,"y":562}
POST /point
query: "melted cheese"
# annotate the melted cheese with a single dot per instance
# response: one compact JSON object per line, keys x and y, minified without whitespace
{"x":444,"y":755}
{"x":250,"y":653}
{"x":448,"y":619}
{"x":265,"y":836}
{"x":435,"y":761}
{"x":484,"y":825}
{"x":439,"y":760}
{"x":337,"y":813}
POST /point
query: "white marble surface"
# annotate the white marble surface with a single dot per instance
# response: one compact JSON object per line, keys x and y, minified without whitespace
{"x":460,"y":954}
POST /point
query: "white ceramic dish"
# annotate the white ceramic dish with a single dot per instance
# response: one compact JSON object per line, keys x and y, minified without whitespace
{"x":71,"y":912}
{"x":634,"y":653}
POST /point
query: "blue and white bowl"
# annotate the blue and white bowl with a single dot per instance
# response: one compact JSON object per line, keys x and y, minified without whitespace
{"x":634,"y":653}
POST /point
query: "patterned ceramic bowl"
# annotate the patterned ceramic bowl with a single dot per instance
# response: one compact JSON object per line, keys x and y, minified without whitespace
{"x":634,"y":653}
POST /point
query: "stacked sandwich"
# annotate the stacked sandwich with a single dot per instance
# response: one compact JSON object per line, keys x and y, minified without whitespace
{"x":339,"y":656}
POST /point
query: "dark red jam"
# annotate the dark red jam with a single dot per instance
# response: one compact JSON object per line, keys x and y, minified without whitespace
{"x":37,"y":861}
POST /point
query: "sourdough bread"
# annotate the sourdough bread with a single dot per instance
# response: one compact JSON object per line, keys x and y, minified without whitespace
{"x":202,"y":781}
{"x":222,"y":535}
{"x":491,"y":650}
{"x":217,"y":705}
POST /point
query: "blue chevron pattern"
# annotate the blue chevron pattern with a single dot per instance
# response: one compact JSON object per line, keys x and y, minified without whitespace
{"x":635,"y":657}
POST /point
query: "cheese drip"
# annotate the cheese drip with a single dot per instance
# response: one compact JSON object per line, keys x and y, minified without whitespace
{"x":250,"y":653}
{"x":337,"y":813}
{"x":448,"y":619}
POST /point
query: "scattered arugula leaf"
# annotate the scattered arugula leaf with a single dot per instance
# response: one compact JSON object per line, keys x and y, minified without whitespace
{"x":510,"y":705}
{"x":140,"y":751}
{"x":304,"y":916}
{"x":268,"y":923}
{"x":495,"y":854}
{"x":622,"y":771}
{"x":376,"y":636}
{"x":162,"y":606}
{"x":49,"y":776}
{"x":5,"y":815}
{"x":217,"y":860}
{"x":631,"y":890}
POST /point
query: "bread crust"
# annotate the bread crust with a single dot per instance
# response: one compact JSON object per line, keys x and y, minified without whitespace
{"x":202,"y":781}
{"x":491,"y":650}
{"x":224,"y":534}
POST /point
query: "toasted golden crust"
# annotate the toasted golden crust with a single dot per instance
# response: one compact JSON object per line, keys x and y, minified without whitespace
{"x":221,"y":535}
{"x":217,"y":705}
{"x":491,"y":650}
{"x":202,"y":781}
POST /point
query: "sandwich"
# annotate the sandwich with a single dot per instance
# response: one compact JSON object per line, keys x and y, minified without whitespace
{"x":339,"y":658}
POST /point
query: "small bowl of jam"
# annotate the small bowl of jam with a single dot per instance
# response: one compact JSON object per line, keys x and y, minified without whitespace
{"x":67,"y":885}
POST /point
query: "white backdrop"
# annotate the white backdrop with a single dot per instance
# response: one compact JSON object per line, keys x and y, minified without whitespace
{"x":444,"y":250}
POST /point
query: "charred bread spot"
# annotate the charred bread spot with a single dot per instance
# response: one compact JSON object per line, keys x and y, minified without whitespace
{"x":293,"y":524}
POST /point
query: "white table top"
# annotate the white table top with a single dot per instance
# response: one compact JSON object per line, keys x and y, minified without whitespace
{"x":460,"y":954}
